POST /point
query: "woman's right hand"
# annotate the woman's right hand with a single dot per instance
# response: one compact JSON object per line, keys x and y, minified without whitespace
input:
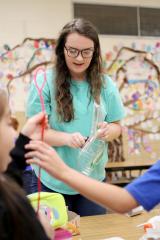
{"x":75,"y":140}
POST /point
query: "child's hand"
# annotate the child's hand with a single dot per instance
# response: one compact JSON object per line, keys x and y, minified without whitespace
{"x":33,"y":126}
{"x":46,"y":157}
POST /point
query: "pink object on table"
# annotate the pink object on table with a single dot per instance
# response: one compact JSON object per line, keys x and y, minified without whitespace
{"x":61,"y":234}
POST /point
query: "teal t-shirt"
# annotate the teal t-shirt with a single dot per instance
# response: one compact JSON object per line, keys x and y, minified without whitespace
{"x":112,"y":108}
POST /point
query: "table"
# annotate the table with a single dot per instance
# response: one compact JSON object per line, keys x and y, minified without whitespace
{"x":112,"y":225}
{"x":130,"y":165}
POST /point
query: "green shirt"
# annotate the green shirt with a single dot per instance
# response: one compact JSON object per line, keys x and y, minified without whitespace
{"x":112,"y":108}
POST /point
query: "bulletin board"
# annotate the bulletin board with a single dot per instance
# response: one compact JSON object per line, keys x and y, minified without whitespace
{"x":133,"y":65}
{"x":135,"y":69}
{"x":18,"y":64}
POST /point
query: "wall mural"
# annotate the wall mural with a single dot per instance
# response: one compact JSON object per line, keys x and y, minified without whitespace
{"x":17,"y":65}
{"x":136,"y":73}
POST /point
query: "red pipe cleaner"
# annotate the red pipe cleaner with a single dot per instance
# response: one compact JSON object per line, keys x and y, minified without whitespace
{"x":40,"y":90}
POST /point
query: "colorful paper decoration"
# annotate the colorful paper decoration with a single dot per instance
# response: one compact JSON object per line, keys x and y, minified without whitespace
{"x":137,"y":75}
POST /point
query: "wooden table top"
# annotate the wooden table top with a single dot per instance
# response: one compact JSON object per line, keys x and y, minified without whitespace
{"x":129,"y":165}
{"x":112,"y":225}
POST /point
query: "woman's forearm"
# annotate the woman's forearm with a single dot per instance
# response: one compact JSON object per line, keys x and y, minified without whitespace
{"x":58,"y":138}
{"x":55,"y":138}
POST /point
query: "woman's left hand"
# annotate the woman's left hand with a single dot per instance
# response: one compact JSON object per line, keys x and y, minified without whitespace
{"x":103,"y":131}
{"x":109,"y":131}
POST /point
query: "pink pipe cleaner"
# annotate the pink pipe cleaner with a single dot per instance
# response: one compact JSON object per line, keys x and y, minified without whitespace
{"x":40,"y":91}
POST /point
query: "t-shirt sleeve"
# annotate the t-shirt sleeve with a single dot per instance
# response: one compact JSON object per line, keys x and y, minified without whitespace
{"x":146,"y":188}
{"x":113,"y":100}
{"x":33,"y":100}
{"x":18,"y":163}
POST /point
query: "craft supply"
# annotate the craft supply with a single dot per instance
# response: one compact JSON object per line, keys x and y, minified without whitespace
{"x":40,"y":90}
{"x":61,"y":233}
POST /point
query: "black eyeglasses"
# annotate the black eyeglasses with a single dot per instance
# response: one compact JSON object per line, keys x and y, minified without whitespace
{"x":74,"y":52}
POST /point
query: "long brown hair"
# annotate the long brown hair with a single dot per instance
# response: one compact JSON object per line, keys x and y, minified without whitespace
{"x":63,"y":95}
{"x":3,"y":102}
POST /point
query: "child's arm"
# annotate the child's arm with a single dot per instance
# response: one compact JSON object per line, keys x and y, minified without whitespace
{"x":107,"y":195}
{"x":110,"y":196}
{"x":18,"y":164}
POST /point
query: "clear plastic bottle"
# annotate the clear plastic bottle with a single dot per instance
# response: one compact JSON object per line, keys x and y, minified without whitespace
{"x":92,"y":151}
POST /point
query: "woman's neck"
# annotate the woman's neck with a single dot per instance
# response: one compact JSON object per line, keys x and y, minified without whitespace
{"x":78,"y":77}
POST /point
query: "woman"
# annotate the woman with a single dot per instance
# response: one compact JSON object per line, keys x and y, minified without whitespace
{"x":72,"y":88}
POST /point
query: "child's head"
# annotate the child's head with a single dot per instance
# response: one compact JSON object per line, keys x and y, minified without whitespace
{"x":7,"y":133}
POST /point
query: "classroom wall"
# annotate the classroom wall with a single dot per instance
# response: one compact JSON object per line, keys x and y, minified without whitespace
{"x":44,"y":18}
{"x":32,"y":18}
{"x":20,"y":19}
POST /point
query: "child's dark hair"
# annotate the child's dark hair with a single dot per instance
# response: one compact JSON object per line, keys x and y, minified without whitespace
{"x":17,"y":218}
{"x":3,"y":102}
